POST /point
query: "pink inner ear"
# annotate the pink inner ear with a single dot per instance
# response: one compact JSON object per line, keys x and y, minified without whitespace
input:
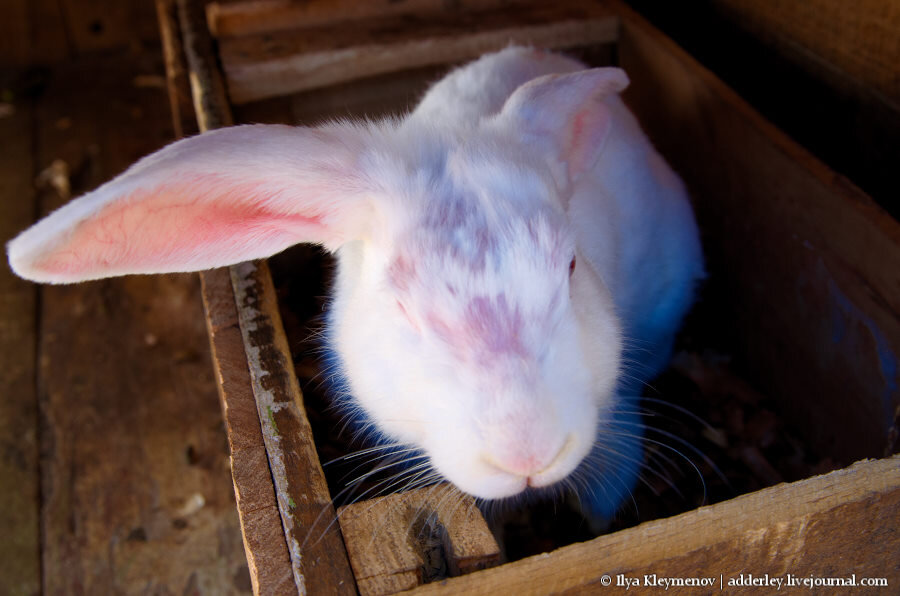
{"x":175,"y":228}
{"x":587,"y":129}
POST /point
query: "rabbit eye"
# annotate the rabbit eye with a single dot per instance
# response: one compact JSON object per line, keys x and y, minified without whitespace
{"x":572,"y":266}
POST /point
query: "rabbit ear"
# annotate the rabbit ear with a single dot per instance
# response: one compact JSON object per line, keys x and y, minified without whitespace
{"x":565,"y":114}
{"x":216,"y":199}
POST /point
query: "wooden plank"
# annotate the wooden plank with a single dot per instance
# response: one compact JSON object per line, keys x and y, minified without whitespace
{"x":263,"y":536}
{"x":804,"y":266}
{"x":15,"y":34}
{"x":250,"y":17}
{"x":290,"y":61}
{"x":861,"y":39}
{"x":184,"y":121}
{"x":135,"y":482}
{"x":277,"y":443}
{"x":835,"y":525}
{"x":33,"y":33}
{"x":20,"y":557}
{"x":399,"y":541}
{"x":319,"y":565}
{"x":94,"y":25}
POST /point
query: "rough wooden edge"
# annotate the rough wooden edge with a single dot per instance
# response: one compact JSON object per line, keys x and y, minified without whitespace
{"x":319,"y":559}
{"x":207,"y":89}
{"x":177,"y":85}
{"x":251,"y":17}
{"x":252,"y":74}
{"x":396,"y":542}
{"x":279,"y":563}
{"x":263,"y":536}
{"x":261,"y":529}
{"x":767,"y":522}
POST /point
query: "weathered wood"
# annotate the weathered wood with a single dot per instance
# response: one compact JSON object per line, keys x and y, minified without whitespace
{"x":93,"y":25}
{"x":33,"y":32}
{"x":806,"y":268}
{"x":284,"y":62}
{"x":20,"y":557}
{"x":135,"y":483}
{"x":803,"y":528}
{"x":398,"y":541}
{"x":861,"y":38}
{"x":318,"y":558}
{"x":180,"y":99}
{"x":207,"y":88}
{"x":249,"y":17}
{"x":273,"y":524}
{"x":264,"y":545}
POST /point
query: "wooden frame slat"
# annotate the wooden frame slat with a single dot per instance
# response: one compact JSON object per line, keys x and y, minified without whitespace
{"x":285,"y":62}
{"x":395,"y":542}
{"x":259,"y":392}
{"x":803,"y":528}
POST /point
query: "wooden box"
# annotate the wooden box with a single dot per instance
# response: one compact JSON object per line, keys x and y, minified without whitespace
{"x":805,"y":287}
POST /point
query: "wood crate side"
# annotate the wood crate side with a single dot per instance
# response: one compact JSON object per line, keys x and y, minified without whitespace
{"x":806,"y":267}
{"x":278,"y":63}
{"x":803,"y":528}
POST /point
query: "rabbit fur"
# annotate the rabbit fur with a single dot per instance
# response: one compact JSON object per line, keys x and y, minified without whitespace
{"x":514,"y":259}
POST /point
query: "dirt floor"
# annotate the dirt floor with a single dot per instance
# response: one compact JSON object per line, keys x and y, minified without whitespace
{"x":113,"y":459}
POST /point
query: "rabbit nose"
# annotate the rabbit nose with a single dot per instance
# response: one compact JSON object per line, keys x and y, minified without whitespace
{"x":526,"y":462}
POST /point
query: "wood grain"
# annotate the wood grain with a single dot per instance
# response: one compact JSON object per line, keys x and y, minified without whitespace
{"x":861,"y":39}
{"x":396,"y":542}
{"x":318,"y":558}
{"x":805,"y":267}
{"x":278,"y":481}
{"x":135,"y":483}
{"x":289,"y":61}
{"x":20,"y":559}
{"x":263,"y":536}
{"x":250,"y":17}
{"x":807,"y":532}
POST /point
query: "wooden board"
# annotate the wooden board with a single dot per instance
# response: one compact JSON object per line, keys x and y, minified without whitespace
{"x":401,"y":540}
{"x":238,"y":18}
{"x":318,"y":559}
{"x":860,"y":38}
{"x":20,"y":563}
{"x":289,"y":61}
{"x":93,"y":25}
{"x":136,"y":490}
{"x":812,"y":68}
{"x":804,"y":266}
{"x":803,"y":529}
{"x":278,"y":480}
{"x":33,"y":32}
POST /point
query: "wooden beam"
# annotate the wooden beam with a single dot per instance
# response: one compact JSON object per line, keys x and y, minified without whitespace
{"x":135,"y":483}
{"x":20,"y":553}
{"x":834,"y":525}
{"x":257,"y":507}
{"x":268,"y":431}
{"x":251,"y":17}
{"x":399,"y":541}
{"x":318,"y":558}
{"x":297,"y":60}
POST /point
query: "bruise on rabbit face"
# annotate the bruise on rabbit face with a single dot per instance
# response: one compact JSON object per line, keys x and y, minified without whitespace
{"x":487,"y":290}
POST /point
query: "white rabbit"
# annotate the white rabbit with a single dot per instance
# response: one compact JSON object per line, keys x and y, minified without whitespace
{"x":497,"y":248}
